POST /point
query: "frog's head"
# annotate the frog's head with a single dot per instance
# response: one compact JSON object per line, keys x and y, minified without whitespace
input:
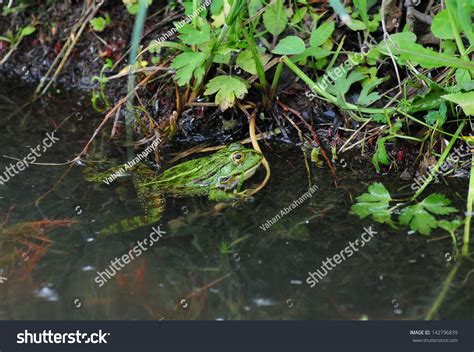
{"x":238,"y":164}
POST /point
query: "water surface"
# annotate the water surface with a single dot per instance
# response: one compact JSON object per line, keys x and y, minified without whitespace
{"x":193,"y":271}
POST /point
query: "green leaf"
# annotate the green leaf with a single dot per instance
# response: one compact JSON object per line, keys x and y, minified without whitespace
{"x":321,"y":34}
{"x":274,"y":18}
{"x":374,"y":203}
{"x":299,"y":15}
{"x":98,"y":24}
{"x":380,"y":156}
{"x":246,"y":62}
{"x":419,"y":216}
{"x":406,"y":49}
{"x":464,"y":100}
{"x":366,"y":97}
{"x":356,"y":25}
{"x":188,"y":64}
{"x":228,"y":89}
{"x":217,"y":6}
{"x":437,"y":116}
{"x":438,"y":204}
{"x":133,"y":6}
{"x":462,"y":76}
{"x":361,"y":6}
{"x":441,"y":27}
{"x":290,"y":45}
{"x":464,"y":13}
{"x":254,"y":7}
{"x":192,"y":36}
{"x":343,"y":83}
{"x":25,"y":31}
{"x":450,"y":226}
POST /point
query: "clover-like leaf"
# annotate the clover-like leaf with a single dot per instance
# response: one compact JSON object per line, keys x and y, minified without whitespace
{"x":420,"y":216}
{"x":374,"y":203}
{"x":228,"y":88}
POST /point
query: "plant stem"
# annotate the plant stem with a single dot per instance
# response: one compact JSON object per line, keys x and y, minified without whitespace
{"x":275,"y":81}
{"x":470,"y":201}
{"x":258,"y":64}
{"x":136,"y":35}
{"x":440,"y":161}
{"x":457,"y":37}
{"x":441,"y":296}
{"x":328,"y":96}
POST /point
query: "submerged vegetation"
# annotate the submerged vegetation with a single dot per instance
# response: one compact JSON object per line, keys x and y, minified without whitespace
{"x":393,"y":80}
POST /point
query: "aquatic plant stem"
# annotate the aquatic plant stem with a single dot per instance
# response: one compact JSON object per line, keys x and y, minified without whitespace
{"x":440,"y":161}
{"x":255,"y":145}
{"x":136,"y":37}
{"x":258,"y":64}
{"x":470,"y":201}
{"x":442,"y":295}
{"x":276,"y":79}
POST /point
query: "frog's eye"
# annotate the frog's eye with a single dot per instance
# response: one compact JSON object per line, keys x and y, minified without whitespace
{"x":238,"y":158}
{"x":224,"y":179}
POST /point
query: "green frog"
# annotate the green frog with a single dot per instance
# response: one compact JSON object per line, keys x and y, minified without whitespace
{"x":218,"y":176}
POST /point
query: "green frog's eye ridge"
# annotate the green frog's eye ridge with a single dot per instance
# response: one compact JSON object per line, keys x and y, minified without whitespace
{"x":235,"y":146}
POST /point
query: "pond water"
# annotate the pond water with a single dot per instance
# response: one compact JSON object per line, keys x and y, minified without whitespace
{"x":208,"y":264}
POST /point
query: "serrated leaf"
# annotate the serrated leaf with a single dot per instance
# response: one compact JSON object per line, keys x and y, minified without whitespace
{"x":419,"y":216}
{"x":374,"y":203}
{"x":366,"y":96}
{"x":464,"y":100}
{"x":99,"y":24}
{"x":192,"y":36}
{"x":438,"y":204}
{"x":321,"y":34}
{"x":450,"y":226}
{"x":228,"y":89}
{"x":418,"y":219}
{"x":187,"y":64}
{"x":290,"y":45}
{"x":380,"y":156}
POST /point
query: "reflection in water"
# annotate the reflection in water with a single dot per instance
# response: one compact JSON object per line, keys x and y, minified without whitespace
{"x":210,"y":264}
